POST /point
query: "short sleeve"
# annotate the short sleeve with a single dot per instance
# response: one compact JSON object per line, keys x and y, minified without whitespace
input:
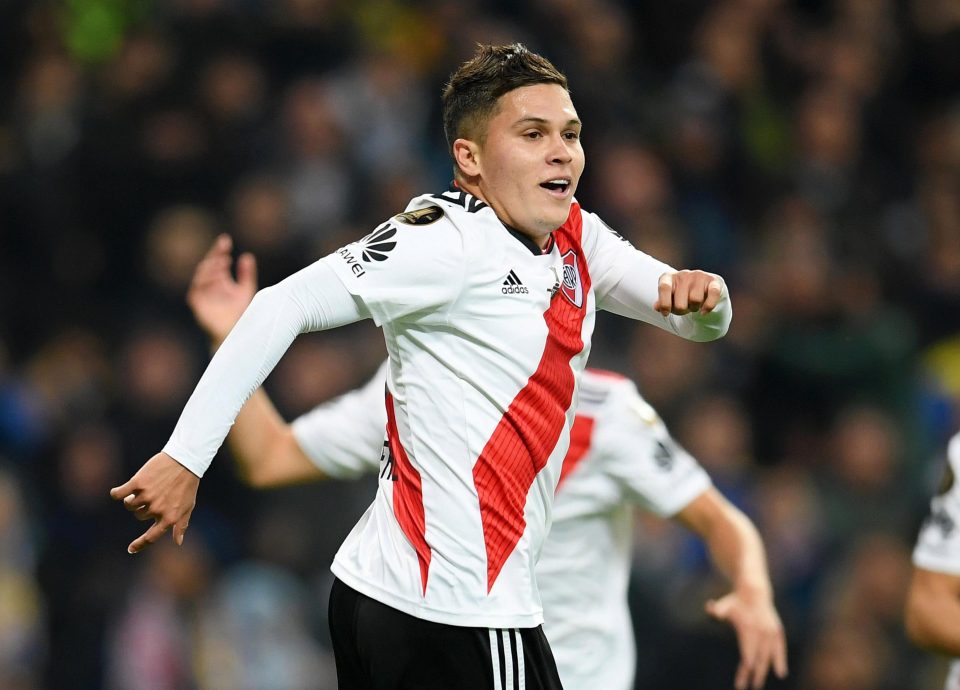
{"x":639,"y":453}
{"x":410,"y":267}
{"x":344,"y":437}
{"x":938,"y":544}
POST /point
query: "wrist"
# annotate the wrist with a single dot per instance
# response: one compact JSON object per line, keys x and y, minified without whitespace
{"x":754,"y":589}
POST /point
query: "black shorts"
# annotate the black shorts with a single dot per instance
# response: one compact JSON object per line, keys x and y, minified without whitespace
{"x":380,"y":648}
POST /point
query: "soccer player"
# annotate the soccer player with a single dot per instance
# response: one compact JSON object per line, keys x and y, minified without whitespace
{"x":486,"y":295}
{"x":933,"y":600}
{"x":620,"y":454}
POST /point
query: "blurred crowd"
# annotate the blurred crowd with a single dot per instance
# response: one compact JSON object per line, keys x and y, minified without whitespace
{"x":808,"y":150}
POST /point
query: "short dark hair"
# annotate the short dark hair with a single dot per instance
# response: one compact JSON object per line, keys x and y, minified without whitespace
{"x":470,"y":97}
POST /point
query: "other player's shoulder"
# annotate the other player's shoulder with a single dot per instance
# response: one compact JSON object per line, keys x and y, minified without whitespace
{"x":948,"y":484}
{"x":607,"y":392}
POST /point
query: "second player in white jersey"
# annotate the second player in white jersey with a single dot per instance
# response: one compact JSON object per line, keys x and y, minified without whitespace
{"x":620,"y":456}
{"x":933,"y":601}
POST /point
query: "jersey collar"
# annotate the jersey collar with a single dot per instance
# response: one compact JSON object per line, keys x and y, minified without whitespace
{"x":519,"y":236}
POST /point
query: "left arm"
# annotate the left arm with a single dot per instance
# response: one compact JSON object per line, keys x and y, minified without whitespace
{"x":737,"y":551}
{"x":693,"y":304}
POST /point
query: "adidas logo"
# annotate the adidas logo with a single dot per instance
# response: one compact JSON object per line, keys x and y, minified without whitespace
{"x":513,"y":286}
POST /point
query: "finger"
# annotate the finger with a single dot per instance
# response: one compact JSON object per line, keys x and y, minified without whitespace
{"x":714,"y":291}
{"x":149,"y":537}
{"x":180,"y":531}
{"x":780,"y":656}
{"x":210,"y":272}
{"x":761,"y":667}
{"x":697,"y":295}
{"x":247,"y":271}
{"x":681,"y":295}
{"x":118,"y":493}
{"x":223,"y":244}
{"x":748,"y":660}
{"x":135,"y":502}
{"x":717,"y":610}
{"x":742,"y":679}
{"x":664,"y":303}
{"x":143,"y":513}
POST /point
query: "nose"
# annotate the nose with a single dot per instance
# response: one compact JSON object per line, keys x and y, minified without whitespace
{"x":559,"y":151}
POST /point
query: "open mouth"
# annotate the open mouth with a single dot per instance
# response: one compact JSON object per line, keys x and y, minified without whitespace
{"x":558,"y":187}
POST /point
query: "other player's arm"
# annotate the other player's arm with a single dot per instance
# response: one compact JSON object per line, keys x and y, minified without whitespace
{"x":932,"y":614}
{"x":737,"y":551}
{"x":261,"y":441}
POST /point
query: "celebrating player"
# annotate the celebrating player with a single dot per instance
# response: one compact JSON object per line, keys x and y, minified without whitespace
{"x":482,"y":383}
{"x":933,"y":600}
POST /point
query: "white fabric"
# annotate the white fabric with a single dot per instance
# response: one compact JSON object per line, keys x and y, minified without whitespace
{"x":344,"y":437}
{"x":462,"y":347}
{"x":310,"y":300}
{"x":631,"y":459}
{"x":938,"y":544}
{"x":585,"y":563}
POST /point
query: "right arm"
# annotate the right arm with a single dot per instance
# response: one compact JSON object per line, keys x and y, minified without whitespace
{"x":165,"y":488}
{"x":261,"y":441}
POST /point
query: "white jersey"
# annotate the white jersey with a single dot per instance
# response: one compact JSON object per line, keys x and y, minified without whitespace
{"x":938,"y":545}
{"x":620,"y":455}
{"x":487,"y":336}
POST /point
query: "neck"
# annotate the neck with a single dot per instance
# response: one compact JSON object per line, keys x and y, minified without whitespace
{"x":542,"y":240}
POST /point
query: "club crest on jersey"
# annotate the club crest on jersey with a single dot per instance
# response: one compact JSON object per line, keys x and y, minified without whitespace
{"x":571,"y":286}
{"x":422,"y":216}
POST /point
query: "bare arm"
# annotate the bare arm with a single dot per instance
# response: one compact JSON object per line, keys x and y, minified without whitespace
{"x":737,"y":551}
{"x":261,"y":441}
{"x":932,"y":614}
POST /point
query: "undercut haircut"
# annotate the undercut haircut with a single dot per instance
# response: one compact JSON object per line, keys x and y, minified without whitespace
{"x":470,"y":97}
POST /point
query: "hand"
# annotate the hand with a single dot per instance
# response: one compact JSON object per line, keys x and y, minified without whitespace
{"x":759,"y":635}
{"x":684,"y":292}
{"x":216,"y":299}
{"x":163,"y":490}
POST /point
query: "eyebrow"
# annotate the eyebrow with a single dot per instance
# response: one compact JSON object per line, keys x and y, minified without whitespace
{"x":543,"y":121}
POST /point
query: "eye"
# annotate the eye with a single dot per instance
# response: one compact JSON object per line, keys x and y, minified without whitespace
{"x":571,"y":136}
{"x":533,"y":134}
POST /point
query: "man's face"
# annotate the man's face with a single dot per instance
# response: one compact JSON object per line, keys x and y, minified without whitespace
{"x":531,"y":159}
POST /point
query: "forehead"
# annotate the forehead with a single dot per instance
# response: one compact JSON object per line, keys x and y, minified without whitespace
{"x":549,"y":102}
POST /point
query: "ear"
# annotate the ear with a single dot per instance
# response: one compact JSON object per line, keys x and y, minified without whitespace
{"x":466,"y":154}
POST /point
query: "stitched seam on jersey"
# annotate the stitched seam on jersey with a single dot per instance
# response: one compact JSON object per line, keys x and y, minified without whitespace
{"x":451,"y":305}
{"x":409,"y":488}
{"x":621,"y":266}
{"x":581,"y":438}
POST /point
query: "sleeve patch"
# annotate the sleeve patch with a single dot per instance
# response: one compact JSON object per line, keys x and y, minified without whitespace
{"x":422,"y":216}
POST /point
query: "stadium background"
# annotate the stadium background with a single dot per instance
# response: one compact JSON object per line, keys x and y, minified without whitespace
{"x":808,"y":150}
